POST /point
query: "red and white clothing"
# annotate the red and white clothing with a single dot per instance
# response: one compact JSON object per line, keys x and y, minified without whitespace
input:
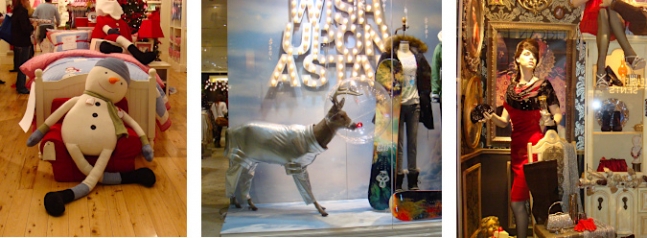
{"x":124,"y":29}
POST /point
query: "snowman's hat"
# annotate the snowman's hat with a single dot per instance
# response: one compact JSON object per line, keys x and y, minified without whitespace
{"x":116,"y":65}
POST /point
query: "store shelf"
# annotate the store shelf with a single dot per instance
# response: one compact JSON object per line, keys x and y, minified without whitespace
{"x":621,"y":209}
{"x":618,"y":132}
{"x":177,"y":37}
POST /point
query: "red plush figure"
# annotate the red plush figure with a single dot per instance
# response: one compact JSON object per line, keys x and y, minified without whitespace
{"x":111,"y":27}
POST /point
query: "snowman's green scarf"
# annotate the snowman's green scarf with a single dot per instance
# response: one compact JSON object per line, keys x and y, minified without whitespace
{"x":120,"y":129}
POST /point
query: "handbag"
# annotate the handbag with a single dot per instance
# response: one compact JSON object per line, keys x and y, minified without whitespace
{"x":221,"y":121}
{"x":5,"y":29}
{"x":559,"y":220}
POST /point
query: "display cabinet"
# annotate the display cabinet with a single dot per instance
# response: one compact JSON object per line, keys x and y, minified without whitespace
{"x":613,"y":137}
{"x":177,"y":38}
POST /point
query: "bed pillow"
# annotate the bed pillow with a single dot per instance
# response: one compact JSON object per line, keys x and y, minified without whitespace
{"x":63,"y":40}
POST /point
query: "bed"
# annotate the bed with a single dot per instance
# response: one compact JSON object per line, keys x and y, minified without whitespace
{"x":62,"y":75}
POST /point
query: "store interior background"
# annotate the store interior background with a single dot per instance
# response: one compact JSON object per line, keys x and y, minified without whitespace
{"x":483,"y":169}
{"x":214,"y":41}
{"x":172,"y":28}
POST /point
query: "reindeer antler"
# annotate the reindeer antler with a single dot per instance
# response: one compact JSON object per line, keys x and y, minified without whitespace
{"x":343,"y":90}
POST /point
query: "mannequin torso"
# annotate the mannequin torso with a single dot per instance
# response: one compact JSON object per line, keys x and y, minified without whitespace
{"x":409,"y":67}
{"x":636,"y":150}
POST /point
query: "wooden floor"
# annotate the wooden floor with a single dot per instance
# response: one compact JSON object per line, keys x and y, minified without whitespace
{"x":116,"y":210}
{"x":214,"y":202}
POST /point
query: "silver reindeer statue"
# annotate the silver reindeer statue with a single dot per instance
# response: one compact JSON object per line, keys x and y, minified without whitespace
{"x":293,"y":146}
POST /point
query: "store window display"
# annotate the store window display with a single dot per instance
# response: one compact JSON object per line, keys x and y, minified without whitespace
{"x":318,"y":46}
{"x":522,"y":109}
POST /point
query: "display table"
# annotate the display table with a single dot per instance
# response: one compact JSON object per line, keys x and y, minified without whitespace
{"x":162,"y":70}
{"x":541,"y":232}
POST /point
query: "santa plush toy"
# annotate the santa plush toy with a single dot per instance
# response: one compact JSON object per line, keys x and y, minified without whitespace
{"x":111,"y":27}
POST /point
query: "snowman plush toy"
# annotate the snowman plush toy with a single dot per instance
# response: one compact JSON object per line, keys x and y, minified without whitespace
{"x":91,"y":127}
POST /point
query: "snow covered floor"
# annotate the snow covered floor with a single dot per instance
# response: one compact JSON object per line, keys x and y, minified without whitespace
{"x":346,"y":217}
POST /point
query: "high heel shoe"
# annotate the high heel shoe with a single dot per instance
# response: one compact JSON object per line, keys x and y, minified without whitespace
{"x":613,"y":78}
{"x":637,"y":62}
{"x":601,"y":81}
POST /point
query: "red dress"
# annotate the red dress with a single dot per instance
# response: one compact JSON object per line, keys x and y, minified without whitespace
{"x":522,"y":105}
{"x":589,"y":23}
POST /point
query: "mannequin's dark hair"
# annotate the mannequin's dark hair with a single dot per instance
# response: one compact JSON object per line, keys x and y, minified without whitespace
{"x":527,"y":44}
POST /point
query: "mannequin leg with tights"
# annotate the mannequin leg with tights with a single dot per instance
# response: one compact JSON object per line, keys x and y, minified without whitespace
{"x":602,"y":40}
{"x":409,"y":119}
{"x":521,"y":218}
{"x":618,"y":29}
{"x":610,"y":21}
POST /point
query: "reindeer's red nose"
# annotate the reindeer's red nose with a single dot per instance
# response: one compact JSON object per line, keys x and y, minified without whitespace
{"x":359,"y":125}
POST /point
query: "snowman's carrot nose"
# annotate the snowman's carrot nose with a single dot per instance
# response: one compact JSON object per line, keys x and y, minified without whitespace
{"x":113,"y":80}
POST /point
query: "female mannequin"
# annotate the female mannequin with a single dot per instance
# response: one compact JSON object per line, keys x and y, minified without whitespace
{"x":409,"y":118}
{"x":416,"y":101}
{"x":604,"y":18}
{"x":522,"y":108}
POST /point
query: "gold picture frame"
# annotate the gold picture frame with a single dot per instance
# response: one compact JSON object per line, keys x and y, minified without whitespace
{"x":471,"y":193}
{"x":535,"y":6}
{"x":557,"y":64}
{"x":472,"y":96}
{"x":473,"y":33}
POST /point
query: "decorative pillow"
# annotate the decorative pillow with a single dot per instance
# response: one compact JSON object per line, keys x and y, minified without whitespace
{"x":64,"y":40}
{"x":46,"y":46}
